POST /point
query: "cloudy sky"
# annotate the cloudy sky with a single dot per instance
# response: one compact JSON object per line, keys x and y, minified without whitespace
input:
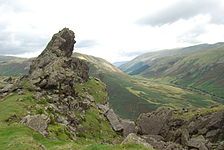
{"x":115,"y":30}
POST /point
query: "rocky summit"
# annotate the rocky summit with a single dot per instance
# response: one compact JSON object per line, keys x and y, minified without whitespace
{"x":55,"y":69}
{"x":52,"y":77}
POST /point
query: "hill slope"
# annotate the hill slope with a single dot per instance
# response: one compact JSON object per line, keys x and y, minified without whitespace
{"x":130,"y":96}
{"x":200,"y":67}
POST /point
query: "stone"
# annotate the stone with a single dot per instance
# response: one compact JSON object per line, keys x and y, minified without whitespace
{"x":20,"y":91}
{"x":134,"y":139}
{"x":212,"y":133}
{"x":153,"y":122}
{"x":157,"y":142}
{"x":85,"y":104}
{"x":90,"y":98}
{"x":37,"y":122}
{"x":8,"y":80}
{"x":62,"y":120}
{"x":7,"y":88}
{"x":103,"y":108}
{"x":114,"y":120}
{"x":156,"y":137}
{"x":197,"y":142}
{"x":128,"y":127}
{"x":38,"y":96}
{"x":184,"y":137}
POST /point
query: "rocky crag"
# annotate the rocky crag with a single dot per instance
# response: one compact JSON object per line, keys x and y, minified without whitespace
{"x":53,"y":76}
{"x":168,"y":129}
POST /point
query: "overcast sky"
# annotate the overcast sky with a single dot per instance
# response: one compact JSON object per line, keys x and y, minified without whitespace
{"x":115,"y":30}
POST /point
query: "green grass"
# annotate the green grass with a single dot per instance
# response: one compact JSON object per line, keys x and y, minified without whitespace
{"x":15,"y":104}
{"x":116,"y":147}
{"x":96,"y":127}
{"x":125,"y":103}
{"x":20,"y":137}
{"x":94,"y":87}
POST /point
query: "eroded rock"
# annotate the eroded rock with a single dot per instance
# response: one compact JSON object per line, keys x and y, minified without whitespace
{"x":37,"y":122}
{"x":154,"y":122}
{"x":128,"y":127}
{"x":114,"y":120}
{"x":55,"y":69}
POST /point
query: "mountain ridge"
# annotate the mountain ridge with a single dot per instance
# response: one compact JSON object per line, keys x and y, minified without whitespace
{"x":190,"y":66}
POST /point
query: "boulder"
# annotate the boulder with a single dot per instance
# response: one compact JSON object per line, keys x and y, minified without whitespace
{"x":7,"y":88}
{"x":134,"y":139}
{"x":37,"y":122}
{"x":185,"y":137}
{"x":212,"y":133}
{"x":128,"y":127}
{"x":197,"y":142}
{"x":85,"y":104}
{"x":114,"y":120}
{"x":157,"y":142}
{"x":154,"y":122}
{"x":103,"y":108}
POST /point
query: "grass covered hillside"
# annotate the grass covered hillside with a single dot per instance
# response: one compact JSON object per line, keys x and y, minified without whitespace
{"x":15,"y":135}
{"x":200,"y":67}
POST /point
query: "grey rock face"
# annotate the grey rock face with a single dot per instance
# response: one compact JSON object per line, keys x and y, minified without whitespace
{"x":114,"y":120}
{"x":158,"y":143}
{"x":128,"y":127}
{"x":104,"y":108}
{"x":54,"y":68}
{"x":37,"y":122}
{"x":198,"y":142}
{"x":154,"y":122}
{"x":202,"y":132}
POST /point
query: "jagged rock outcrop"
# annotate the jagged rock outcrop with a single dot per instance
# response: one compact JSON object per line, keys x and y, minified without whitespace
{"x":162,"y":129}
{"x":52,"y":77}
{"x":55,"y":69}
{"x":154,"y":122}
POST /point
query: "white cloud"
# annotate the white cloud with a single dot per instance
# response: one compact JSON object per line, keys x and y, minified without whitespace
{"x":105,"y":29}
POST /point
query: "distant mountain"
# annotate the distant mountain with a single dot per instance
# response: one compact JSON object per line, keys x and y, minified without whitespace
{"x":200,"y":67}
{"x":118,"y":64}
{"x":13,"y":66}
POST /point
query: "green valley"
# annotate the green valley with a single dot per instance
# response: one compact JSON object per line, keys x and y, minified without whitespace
{"x":198,"y":67}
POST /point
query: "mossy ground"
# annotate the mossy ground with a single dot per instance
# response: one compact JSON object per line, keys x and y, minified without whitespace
{"x":96,"y":134}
